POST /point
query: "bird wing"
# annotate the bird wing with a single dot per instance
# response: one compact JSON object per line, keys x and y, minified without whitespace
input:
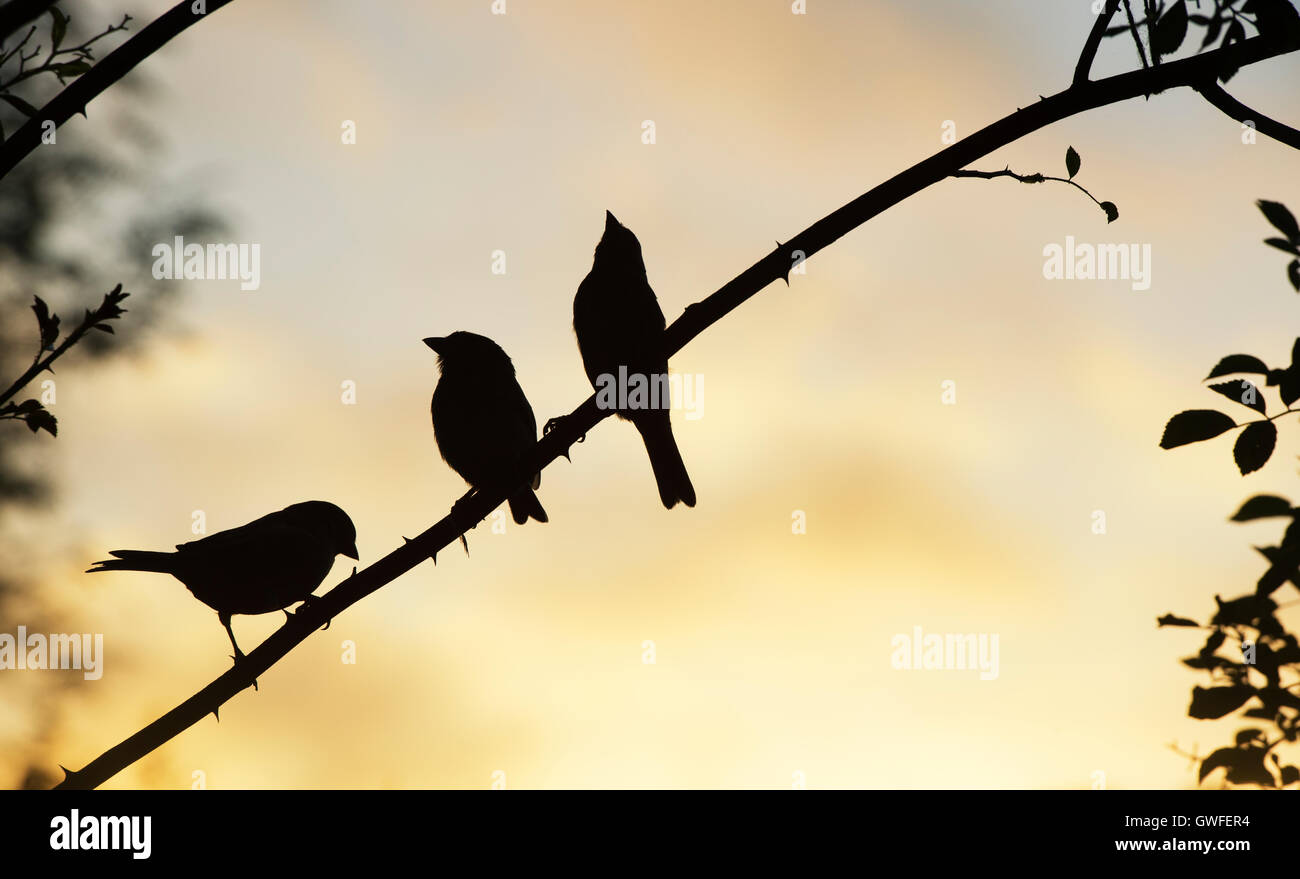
{"x":255,"y":568}
{"x":618,"y":322}
{"x":232,"y":536}
{"x":482,"y":426}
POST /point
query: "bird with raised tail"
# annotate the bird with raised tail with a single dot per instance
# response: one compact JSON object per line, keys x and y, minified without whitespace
{"x":620,"y":330}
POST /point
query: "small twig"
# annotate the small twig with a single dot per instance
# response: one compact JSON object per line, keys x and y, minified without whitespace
{"x":1036,"y":177}
{"x":1084,"y":67}
{"x":17,"y":50}
{"x":1151,"y":30}
{"x":81,"y":52}
{"x":1137,"y":38}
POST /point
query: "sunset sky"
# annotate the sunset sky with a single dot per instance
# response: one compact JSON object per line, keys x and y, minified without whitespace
{"x":477,"y":133}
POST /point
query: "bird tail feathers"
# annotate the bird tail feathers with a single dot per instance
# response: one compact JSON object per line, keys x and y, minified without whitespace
{"x":135,"y":560}
{"x":525,"y":505}
{"x":666,"y":461}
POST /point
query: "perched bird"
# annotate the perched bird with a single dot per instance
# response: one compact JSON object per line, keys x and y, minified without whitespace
{"x":619,"y":325}
{"x":266,"y":565}
{"x":481,"y":419}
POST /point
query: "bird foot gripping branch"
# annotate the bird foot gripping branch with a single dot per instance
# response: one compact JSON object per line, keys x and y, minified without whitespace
{"x":307,"y":603}
{"x":555,"y":424}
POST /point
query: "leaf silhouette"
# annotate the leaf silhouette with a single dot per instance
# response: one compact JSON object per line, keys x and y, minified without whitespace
{"x":1223,"y":758}
{"x":1238,"y":363}
{"x":1293,"y":274}
{"x":1171,"y":29}
{"x":1243,"y":392}
{"x":1282,"y":219}
{"x":1211,"y":703}
{"x":1284,"y":564}
{"x":43,"y":420}
{"x":1288,"y":386}
{"x":1072,"y":162}
{"x":1207,"y":663}
{"x":71,"y":68}
{"x":1249,"y":768}
{"x":1262,"y":506}
{"x":1246,"y":736}
{"x":49,"y":323}
{"x":1171,"y":620}
{"x":1112,"y":212}
{"x":1283,"y":245}
{"x":1255,"y":446}
{"x":1244,"y":611}
{"x":1193,"y":426}
{"x":59,"y":27}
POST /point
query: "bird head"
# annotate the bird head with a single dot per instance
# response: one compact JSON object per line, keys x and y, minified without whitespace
{"x":329,"y":523}
{"x":618,"y":247}
{"x":464,"y":350}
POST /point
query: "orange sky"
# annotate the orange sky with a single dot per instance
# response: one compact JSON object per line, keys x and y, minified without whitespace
{"x":478,"y":133}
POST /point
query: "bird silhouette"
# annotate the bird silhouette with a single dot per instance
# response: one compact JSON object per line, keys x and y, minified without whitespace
{"x":266,"y":565}
{"x":482,"y":421}
{"x":620,"y":330}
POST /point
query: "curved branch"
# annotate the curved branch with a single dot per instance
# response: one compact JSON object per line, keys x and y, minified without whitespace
{"x":91,"y":84}
{"x":476,"y":506}
{"x":1090,"y":46}
{"x":1230,"y":106}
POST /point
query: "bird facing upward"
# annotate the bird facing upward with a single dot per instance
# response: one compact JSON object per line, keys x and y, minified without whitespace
{"x":482,"y":421}
{"x":266,"y":565}
{"x":618,"y":322}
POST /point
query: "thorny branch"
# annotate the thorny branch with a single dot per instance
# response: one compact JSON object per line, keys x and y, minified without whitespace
{"x":1081,"y":96}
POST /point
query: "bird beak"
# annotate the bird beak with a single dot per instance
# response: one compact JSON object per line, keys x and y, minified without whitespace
{"x":351,"y":552}
{"x":611,"y":222}
{"x":435,"y":341}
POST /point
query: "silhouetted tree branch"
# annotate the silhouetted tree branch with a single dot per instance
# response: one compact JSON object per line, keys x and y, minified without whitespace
{"x":1214,"y":93}
{"x":1083,"y":70}
{"x":91,"y":84}
{"x":1081,"y":96}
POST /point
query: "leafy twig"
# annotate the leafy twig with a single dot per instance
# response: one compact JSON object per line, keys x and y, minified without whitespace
{"x":82,"y":54}
{"x":1072,"y":163}
{"x":31,"y":411}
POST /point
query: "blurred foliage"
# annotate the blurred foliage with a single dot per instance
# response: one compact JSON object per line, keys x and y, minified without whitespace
{"x":76,"y":218}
